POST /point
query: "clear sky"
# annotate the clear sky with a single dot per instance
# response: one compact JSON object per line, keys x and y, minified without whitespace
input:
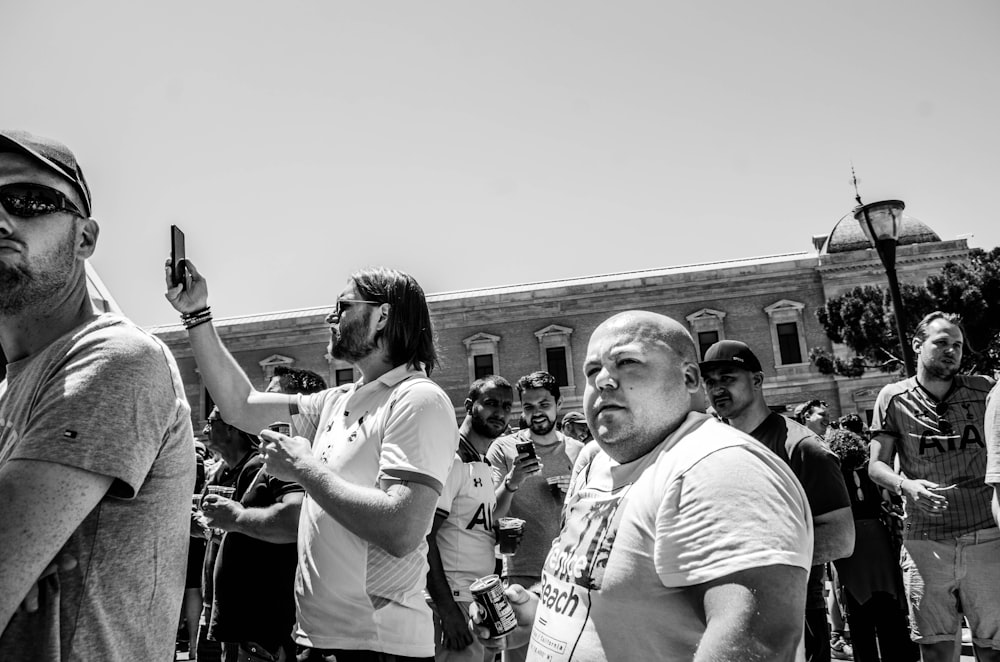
{"x":476,"y":144}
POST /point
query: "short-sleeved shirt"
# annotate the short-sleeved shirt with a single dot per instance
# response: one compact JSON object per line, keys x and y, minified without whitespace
{"x":466,"y":537}
{"x":349,"y":593}
{"x":253,"y":598}
{"x":942,"y":441}
{"x":537,"y":502}
{"x":106,"y":397}
{"x":816,"y":467}
{"x":991,"y":425}
{"x":705,"y":503}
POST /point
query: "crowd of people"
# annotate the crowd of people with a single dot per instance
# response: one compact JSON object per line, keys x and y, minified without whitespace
{"x":350,"y":523}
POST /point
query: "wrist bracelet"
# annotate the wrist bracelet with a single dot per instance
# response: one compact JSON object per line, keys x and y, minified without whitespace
{"x":207,"y":310}
{"x":197,"y":321}
{"x":899,"y":485}
{"x":506,"y":486}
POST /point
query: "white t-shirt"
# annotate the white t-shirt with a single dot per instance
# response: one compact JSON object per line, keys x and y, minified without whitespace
{"x":465,"y":538}
{"x":707,"y":502}
{"x":351,"y":594}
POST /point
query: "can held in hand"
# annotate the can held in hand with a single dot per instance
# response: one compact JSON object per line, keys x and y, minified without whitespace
{"x":488,"y":594}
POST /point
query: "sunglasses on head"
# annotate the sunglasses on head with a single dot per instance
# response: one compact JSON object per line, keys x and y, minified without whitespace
{"x":28,"y":200}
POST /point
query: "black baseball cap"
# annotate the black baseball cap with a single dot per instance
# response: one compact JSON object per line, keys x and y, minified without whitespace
{"x":53,"y":155}
{"x":730,"y":354}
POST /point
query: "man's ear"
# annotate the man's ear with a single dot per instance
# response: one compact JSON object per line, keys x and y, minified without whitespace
{"x":758,"y":380}
{"x":692,"y":377}
{"x":383,"y":316}
{"x":468,"y":405}
{"x":87,"y":232}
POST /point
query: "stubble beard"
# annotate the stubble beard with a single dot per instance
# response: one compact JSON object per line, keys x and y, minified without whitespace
{"x":23,"y":286}
{"x":483,"y":429}
{"x":943,"y":372}
{"x":541,"y":428}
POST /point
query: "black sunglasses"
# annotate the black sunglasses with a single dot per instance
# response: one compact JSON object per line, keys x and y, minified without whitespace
{"x":28,"y":200}
{"x":344,"y":304}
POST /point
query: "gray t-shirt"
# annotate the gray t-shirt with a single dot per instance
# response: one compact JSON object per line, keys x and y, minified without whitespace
{"x":537,"y":501}
{"x":106,"y":397}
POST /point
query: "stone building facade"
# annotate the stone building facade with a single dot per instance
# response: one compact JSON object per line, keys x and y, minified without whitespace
{"x":768,"y":302}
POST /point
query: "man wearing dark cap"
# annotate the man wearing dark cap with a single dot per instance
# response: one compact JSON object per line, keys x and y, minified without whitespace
{"x":734,"y":385}
{"x":574,"y":424}
{"x":96,"y":450}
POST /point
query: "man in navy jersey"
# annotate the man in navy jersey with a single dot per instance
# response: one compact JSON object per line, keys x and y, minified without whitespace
{"x":934,"y":423}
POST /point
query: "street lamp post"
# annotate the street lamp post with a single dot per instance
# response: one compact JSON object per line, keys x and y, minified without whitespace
{"x":880,"y":222}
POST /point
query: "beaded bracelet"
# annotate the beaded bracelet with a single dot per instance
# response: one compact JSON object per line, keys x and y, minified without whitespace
{"x":197,"y":322}
{"x":193,"y":319}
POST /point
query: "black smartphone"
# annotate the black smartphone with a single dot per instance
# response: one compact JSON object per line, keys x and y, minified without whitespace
{"x":278,"y":426}
{"x":177,"y":267}
{"x":526,"y":447}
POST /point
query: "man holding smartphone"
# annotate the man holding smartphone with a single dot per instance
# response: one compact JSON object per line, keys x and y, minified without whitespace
{"x":96,"y":450}
{"x":531,"y":470}
{"x":372,"y":457}
{"x":934,"y":423}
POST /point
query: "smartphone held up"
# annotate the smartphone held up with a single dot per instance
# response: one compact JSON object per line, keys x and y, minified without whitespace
{"x":178,"y":269}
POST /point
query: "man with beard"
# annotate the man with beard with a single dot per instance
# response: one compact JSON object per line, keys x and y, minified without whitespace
{"x":530,"y":488}
{"x":734,"y":385}
{"x":463,"y":536}
{"x":933,"y":422}
{"x":372,"y":457}
{"x":96,"y":449}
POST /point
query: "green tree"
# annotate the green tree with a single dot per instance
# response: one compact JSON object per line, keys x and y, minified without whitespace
{"x":862,"y":318}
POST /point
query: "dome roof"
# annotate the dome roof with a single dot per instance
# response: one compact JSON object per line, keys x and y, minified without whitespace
{"x":847,"y":235}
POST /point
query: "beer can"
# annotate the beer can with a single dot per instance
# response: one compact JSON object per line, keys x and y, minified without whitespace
{"x":488,"y":593}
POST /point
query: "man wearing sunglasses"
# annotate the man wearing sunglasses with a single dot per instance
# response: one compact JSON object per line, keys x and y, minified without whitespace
{"x":372,"y":457}
{"x":96,"y":449}
{"x":934,"y":423}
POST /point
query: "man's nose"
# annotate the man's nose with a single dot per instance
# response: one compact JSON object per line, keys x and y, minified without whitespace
{"x":6,"y":224}
{"x":605,"y":379}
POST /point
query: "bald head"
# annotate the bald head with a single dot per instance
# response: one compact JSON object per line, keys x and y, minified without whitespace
{"x":642,"y":374}
{"x":653,"y":328}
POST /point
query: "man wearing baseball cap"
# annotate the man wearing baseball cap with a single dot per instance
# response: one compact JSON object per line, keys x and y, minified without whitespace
{"x":734,"y":385}
{"x":96,"y":450}
{"x":574,"y":424}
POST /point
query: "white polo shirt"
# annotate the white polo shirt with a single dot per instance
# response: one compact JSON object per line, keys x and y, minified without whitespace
{"x":349,"y":593}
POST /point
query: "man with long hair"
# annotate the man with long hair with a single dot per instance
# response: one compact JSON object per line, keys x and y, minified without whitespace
{"x":372,"y":457}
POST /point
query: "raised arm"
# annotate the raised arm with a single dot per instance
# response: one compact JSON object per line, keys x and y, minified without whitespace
{"x":43,"y":504}
{"x":241,"y":405}
{"x":752,"y":615}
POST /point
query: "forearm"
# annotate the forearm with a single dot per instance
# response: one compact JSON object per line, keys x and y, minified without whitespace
{"x":833,"y":535}
{"x":229,"y":385}
{"x":504,"y":498}
{"x":883,"y":475}
{"x":278,"y":523}
{"x":437,"y":582}
{"x":394,"y":524}
{"x":728,"y":641}
{"x":881,"y":451}
{"x":36,"y":523}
